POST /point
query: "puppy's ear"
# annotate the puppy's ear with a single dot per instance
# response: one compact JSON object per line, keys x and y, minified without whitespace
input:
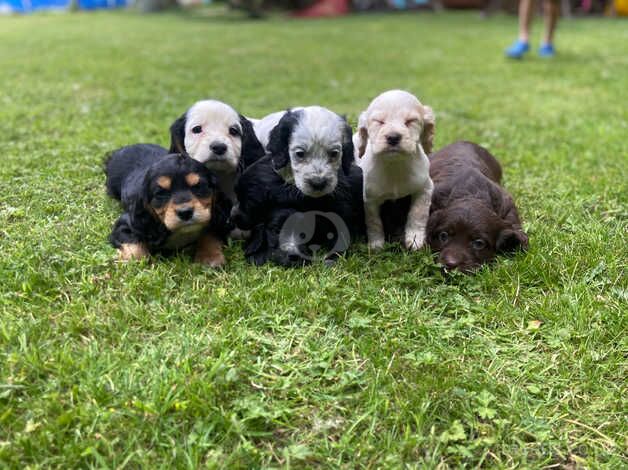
{"x":279,"y":139}
{"x":427,"y":136}
{"x":177,"y":135}
{"x":137,"y":208}
{"x":252,"y":150}
{"x":433,"y":222}
{"x":510,"y":240}
{"x":348,"y":156}
{"x":362,"y":136}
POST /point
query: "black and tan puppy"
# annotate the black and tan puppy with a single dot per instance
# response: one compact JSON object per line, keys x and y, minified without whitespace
{"x":170,"y":202}
{"x":472,"y":218}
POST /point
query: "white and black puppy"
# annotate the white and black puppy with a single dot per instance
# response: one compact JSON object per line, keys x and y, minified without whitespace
{"x":215,"y":134}
{"x":394,"y":136}
{"x":309,"y":167}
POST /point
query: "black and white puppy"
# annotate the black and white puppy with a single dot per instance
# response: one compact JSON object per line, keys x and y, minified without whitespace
{"x":308,"y":175}
{"x":170,"y":202}
{"x":215,"y":134}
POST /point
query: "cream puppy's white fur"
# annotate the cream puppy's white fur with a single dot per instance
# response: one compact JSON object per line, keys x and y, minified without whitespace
{"x":394,"y":136}
{"x":215,"y":134}
{"x":217,"y":126}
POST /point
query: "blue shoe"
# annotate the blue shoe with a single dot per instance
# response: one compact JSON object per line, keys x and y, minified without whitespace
{"x":517,"y":50}
{"x":547,"y":50}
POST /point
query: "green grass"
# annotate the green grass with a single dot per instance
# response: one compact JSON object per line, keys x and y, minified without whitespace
{"x":378,"y":362}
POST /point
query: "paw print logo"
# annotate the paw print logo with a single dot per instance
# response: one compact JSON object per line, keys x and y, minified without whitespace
{"x":314,"y":235}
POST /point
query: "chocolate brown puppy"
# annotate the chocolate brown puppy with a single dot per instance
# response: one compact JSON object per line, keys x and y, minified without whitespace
{"x":472,"y":218}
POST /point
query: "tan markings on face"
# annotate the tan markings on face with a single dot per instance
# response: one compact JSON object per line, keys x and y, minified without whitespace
{"x":209,"y":251}
{"x":167,"y":214}
{"x":192,"y":179}
{"x":164,"y":182}
{"x":131,"y":251}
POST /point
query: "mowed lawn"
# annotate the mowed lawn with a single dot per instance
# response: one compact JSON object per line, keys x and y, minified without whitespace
{"x":378,"y":362}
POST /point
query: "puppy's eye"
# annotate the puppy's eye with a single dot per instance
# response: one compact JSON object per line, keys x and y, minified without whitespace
{"x":377,"y":121}
{"x":197,"y":129}
{"x":333,"y":154}
{"x":443,"y":237}
{"x":299,"y":154}
{"x":409,"y":122}
{"x":161,"y":192}
{"x":234,"y":131}
{"x":478,"y":244}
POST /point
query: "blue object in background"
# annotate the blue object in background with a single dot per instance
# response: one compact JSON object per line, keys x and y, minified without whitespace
{"x":28,"y":6}
{"x":405,"y":4}
{"x":97,"y":4}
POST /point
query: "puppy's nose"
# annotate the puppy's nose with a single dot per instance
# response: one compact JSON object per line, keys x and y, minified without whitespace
{"x":449,"y":262}
{"x":393,"y":139}
{"x":317,"y":183}
{"x":218,"y":148}
{"x":186,"y":213}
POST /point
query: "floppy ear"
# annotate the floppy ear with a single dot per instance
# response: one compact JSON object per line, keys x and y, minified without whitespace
{"x":510,"y":240}
{"x":427,"y":136}
{"x":432,"y":224}
{"x":252,"y":150}
{"x":348,"y":156}
{"x":362,"y":136}
{"x":279,"y":139}
{"x":177,"y":135}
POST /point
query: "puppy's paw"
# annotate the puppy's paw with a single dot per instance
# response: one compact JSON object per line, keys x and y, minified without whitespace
{"x":376,"y":244}
{"x":215,"y":260}
{"x":414,"y":240}
{"x":209,"y":251}
{"x":132,"y":251}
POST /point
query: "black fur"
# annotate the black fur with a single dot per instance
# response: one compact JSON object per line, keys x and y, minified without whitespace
{"x":131,"y":172}
{"x":266,"y":201}
{"x":348,"y":157}
{"x":177,"y":135}
{"x":252,"y":149}
{"x":279,"y":138}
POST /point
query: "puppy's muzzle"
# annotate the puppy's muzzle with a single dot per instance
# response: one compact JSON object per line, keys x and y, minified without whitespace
{"x":318,"y":183}
{"x":393,"y":139}
{"x":218,"y":148}
{"x":185,"y":213}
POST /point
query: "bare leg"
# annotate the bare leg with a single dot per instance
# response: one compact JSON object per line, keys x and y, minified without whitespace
{"x":551,"y":11}
{"x":374,"y":226}
{"x":526,"y":12}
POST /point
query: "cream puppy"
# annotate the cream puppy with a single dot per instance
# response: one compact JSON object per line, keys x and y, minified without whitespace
{"x":394,"y":136}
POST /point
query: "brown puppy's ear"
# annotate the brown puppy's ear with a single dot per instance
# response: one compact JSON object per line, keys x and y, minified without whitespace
{"x":427,"y":136}
{"x":433,"y":222}
{"x":511,"y":240}
{"x":362,"y":135}
{"x":177,"y":136}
